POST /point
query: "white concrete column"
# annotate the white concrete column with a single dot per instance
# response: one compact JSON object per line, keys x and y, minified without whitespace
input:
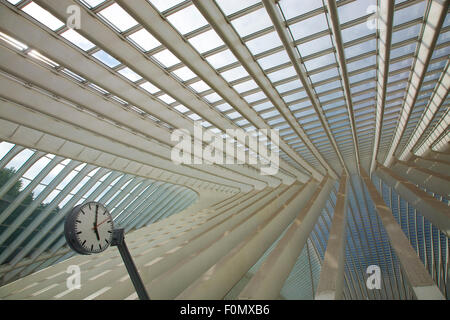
{"x":418,"y":277}
{"x":437,"y":212}
{"x":271,"y":276}
{"x":223,"y":275}
{"x":331,"y":282}
{"x":435,"y":182}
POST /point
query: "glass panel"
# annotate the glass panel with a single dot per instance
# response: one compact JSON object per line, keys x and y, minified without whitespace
{"x":315,"y":45}
{"x":294,"y":84}
{"x":206,"y":41}
{"x":274,"y":60}
{"x":320,"y":62}
{"x":181,"y":108}
{"x":118,"y":17}
{"x":232,"y":6}
{"x":200,"y":86}
{"x":77,"y":39}
{"x":356,"y":9}
{"x":309,"y":26}
{"x":166,"y":98}
{"x":184,"y":73}
{"x":409,"y":13}
{"x":235,"y":73}
{"x":252,"y":22}
{"x":166,"y":58}
{"x":43,"y":16}
{"x":355,"y":32}
{"x":130,"y":74}
{"x":292,"y":8}
{"x":221,"y":59}
{"x":245,"y":86}
{"x":282,"y":74}
{"x":144,"y":39}
{"x":93,"y":3}
{"x":149,"y":87}
{"x":106,"y":58}
{"x":264,"y":43}
{"x":187,"y":20}
{"x":163,"y":5}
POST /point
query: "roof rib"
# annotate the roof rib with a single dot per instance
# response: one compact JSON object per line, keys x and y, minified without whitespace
{"x":432,"y":26}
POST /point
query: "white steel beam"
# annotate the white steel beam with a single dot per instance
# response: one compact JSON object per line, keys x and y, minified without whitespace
{"x":300,"y":69}
{"x":218,"y":21}
{"x":418,"y":277}
{"x":384,"y":25}
{"x":435,"y":103}
{"x":432,"y":27}
{"x":331,"y":282}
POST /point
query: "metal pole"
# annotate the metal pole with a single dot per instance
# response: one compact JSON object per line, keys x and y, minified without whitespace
{"x":119,"y":241}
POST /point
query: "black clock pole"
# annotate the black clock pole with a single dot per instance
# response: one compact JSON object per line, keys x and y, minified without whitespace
{"x":119,"y":241}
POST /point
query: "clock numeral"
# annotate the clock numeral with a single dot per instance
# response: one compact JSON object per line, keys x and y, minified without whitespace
{"x":78,"y":221}
{"x":82,"y":212}
{"x":100,"y":246}
{"x":83,"y":242}
{"x":92,"y":247}
{"x":106,"y":240}
{"x":109,"y":231}
{"x":78,"y":232}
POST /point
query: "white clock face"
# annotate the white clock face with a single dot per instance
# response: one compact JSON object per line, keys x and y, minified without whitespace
{"x":93,"y":227}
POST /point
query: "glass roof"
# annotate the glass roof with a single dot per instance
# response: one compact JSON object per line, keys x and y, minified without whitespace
{"x":247,"y":73}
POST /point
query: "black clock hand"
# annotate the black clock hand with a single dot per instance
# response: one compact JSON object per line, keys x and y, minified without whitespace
{"x":95,"y":223}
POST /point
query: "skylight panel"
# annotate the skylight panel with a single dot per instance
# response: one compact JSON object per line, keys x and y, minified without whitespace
{"x":234,"y":115}
{"x":166,"y":58}
{"x":213,"y":97}
{"x":184,"y":73}
{"x":147,"y":86}
{"x":327,"y":74}
{"x":200,"y":86}
{"x":106,"y":58}
{"x":144,"y":40}
{"x":181,"y":108}
{"x":252,"y":22}
{"x":163,"y":5}
{"x":274,"y":59}
{"x":282,"y":74}
{"x":221,"y":59}
{"x":130,"y":74}
{"x":319,"y":62}
{"x":19,"y":159}
{"x":264,"y":43}
{"x":255,"y":97}
{"x":206,"y":41}
{"x":167,"y":99}
{"x":245,"y":86}
{"x":77,"y":39}
{"x":224,"y":107}
{"x":43,"y":16}
{"x":118,"y":17}
{"x":92,"y":3}
{"x":14,"y":2}
{"x":187,"y":20}
{"x":291,"y":8}
{"x":356,"y":9}
{"x":309,"y":26}
{"x":232,"y":6}
{"x":235,"y":73}
{"x":194,"y":116}
{"x":409,"y":13}
{"x":294,"y":84}
{"x":355,"y":32}
{"x":315,"y":45}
